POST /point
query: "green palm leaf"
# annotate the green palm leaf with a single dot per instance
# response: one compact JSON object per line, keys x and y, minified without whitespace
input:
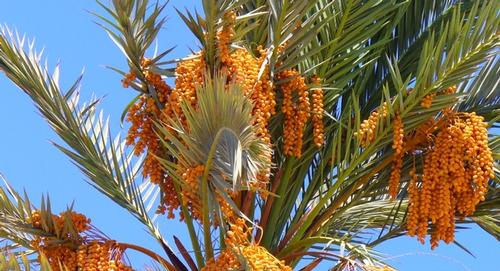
{"x":103,"y":160}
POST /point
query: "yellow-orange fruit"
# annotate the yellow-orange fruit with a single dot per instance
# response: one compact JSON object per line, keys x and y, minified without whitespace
{"x":397,"y":163}
{"x":450,"y":90}
{"x":101,"y":255}
{"x":368,"y":128}
{"x":76,"y":254}
{"x":142,"y":116}
{"x":413,"y":204}
{"x":427,"y":100}
{"x":296,"y":112}
{"x":317,"y":112}
{"x":190,"y":195}
{"x":60,"y":254}
{"x":457,"y":167}
{"x":225,"y":36}
{"x":79,"y":221}
{"x":128,"y":79}
{"x":238,"y":245}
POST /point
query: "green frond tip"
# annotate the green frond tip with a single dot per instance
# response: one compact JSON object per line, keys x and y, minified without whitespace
{"x":133,"y":26}
{"x":11,"y":262}
{"x":15,"y":218}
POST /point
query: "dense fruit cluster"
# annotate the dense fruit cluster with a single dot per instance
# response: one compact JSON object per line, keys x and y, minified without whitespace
{"x":129,"y":78}
{"x":317,"y":112}
{"x":188,"y":76}
{"x":295,"y":109}
{"x":169,"y":200}
{"x":65,"y":252}
{"x":427,"y":100}
{"x":413,"y":202}
{"x":224,"y":262}
{"x":77,"y":221}
{"x":55,"y":251}
{"x":163,"y":102}
{"x":457,"y":165}
{"x":397,"y":163}
{"x":243,"y":69}
{"x":100,"y":255}
{"x":190,"y":195}
{"x":368,"y":128}
{"x":424,"y":133}
{"x":225,"y":36}
{"x":455,"y":177}
{"x":240,"y":65}
{"x":258,"y":89}
{"x":142,"y":116}
{"x":238,"y":245}
{"x":258,"y":258}
{"x":248,"y":71}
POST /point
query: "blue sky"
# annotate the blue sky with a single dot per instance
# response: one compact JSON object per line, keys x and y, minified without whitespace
{"x":29,"y":161}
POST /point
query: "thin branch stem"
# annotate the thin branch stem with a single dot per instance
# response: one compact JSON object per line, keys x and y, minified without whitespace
{"x":151,"y":254}
{"x":205,"y":197}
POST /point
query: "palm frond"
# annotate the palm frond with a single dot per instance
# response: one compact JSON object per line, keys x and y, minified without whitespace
{"x":19,"y":233}
{"x":133,"y":26}
{"x":102,"y":159}
{"x":21,"y":263}
{"x":15,"y":216}
{"x":407,"y":36}
{"x":331,"y":203}
{"x":447,"y":60}
{"x":483,"y":91}
{"x":16,"y":222}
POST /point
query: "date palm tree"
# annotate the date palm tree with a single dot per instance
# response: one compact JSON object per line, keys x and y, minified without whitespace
{"x":300,"y":132}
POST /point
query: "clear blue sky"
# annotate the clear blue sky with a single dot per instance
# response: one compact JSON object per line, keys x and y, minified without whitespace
{"x":29,"y":161}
